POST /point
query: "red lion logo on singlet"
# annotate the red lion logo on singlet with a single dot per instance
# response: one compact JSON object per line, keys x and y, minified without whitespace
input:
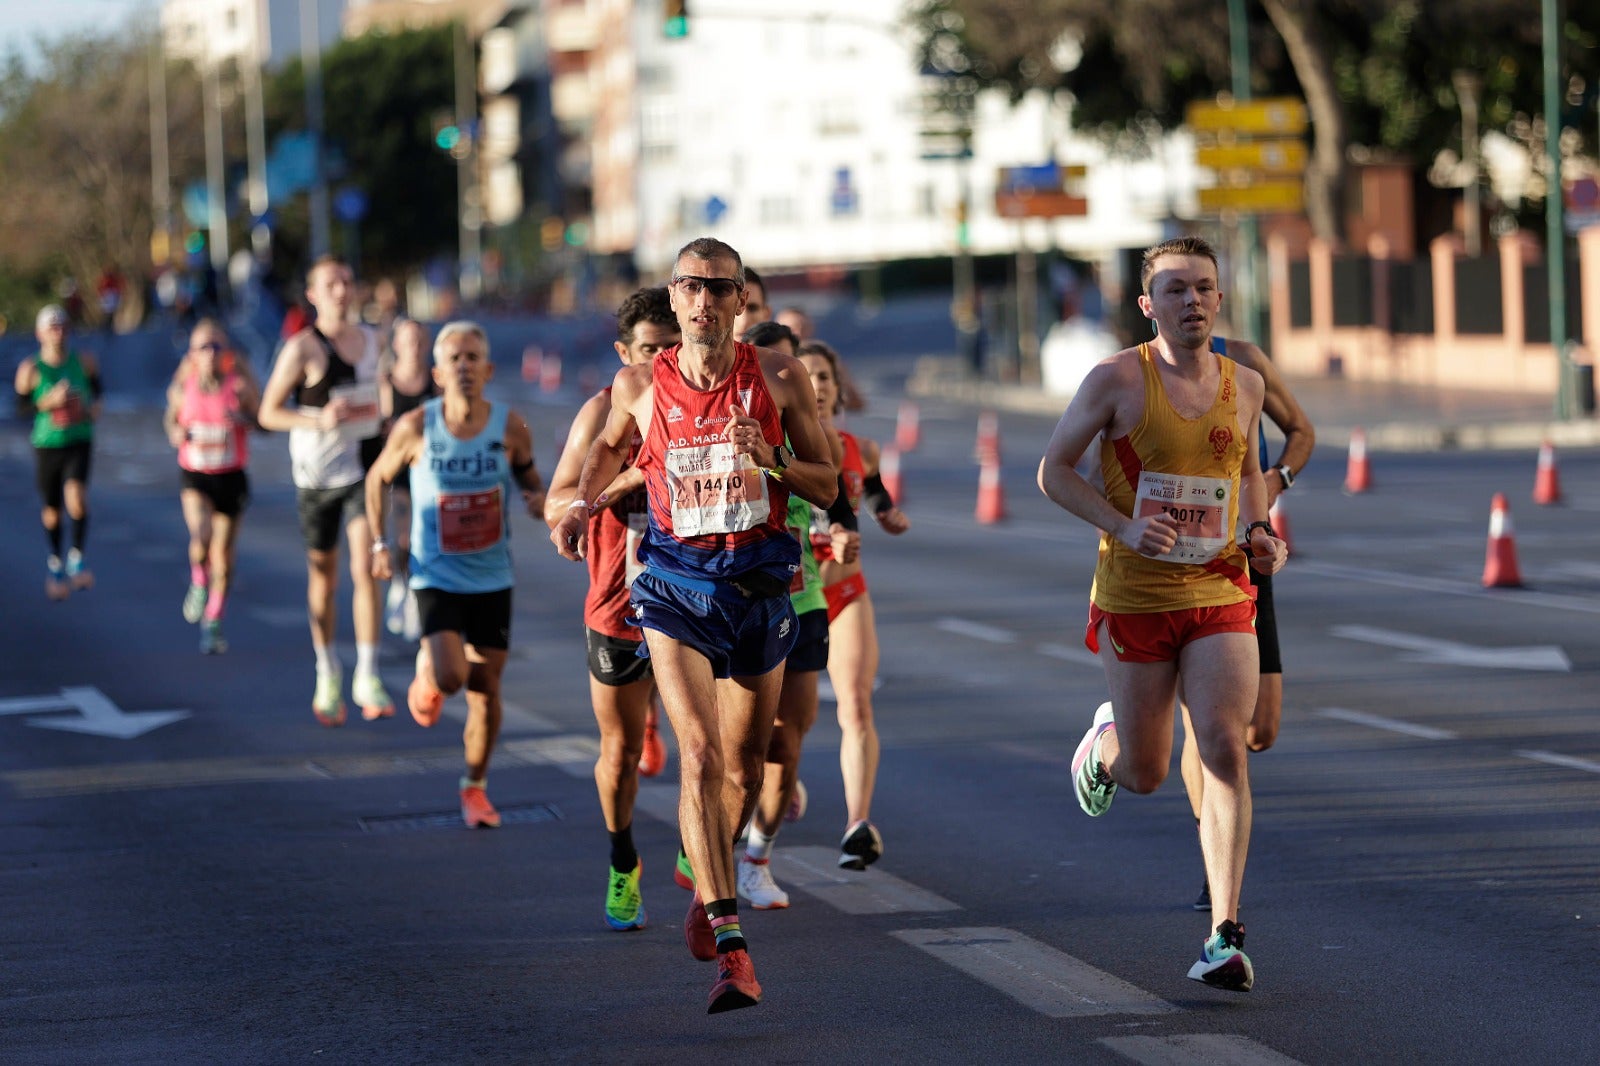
{"x":1221,"y":437}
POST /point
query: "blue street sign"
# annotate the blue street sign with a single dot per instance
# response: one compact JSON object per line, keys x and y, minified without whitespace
{"x":715,"y":208}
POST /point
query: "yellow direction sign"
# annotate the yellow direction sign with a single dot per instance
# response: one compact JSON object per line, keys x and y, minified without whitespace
{"x":1274,"y":114}
{"x":1261,"y":198}
{"x":1270,"y":157}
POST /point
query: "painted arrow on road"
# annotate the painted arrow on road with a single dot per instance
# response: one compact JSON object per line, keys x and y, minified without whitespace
{"x":97,"y":715}
{"x":1547,"y":657}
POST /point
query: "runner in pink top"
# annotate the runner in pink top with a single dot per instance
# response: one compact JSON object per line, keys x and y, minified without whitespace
{"x":211,"y":407}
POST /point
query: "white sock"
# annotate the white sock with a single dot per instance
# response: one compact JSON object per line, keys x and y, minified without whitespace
{"x":759,"y":845}
{"x":327,"y":659}
{"x":366,"y":660}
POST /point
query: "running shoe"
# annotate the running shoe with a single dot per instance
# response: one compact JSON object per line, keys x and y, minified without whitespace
{"x":697,"y":931}
{"x":1202,"y":902}
{"x":736,"y":983}
{"x":55,"y":582}
{"x":654,"y":757}
{"x":194,"y":603}
{"x":394,"y":615}
{"x":368,"y":691}
{"x":476,"y":810}
{"x":624,"y":904}
{"x":797,"y":802}
{"x":861,"y":847}
{"x":683,"y":873}
{"x":757,"y":886}
{"x":1223,"y":963}
{"x":326,"y":703}
{"x":77,"y":575}
{"x":212,"y":642}
{"x":1091,"y":781}
{"x":425,"y":702}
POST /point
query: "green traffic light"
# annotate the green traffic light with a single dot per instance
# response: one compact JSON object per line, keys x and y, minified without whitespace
{"x":448,"y":137}
{"x":677,"y":26}
{"x":195,"y":242}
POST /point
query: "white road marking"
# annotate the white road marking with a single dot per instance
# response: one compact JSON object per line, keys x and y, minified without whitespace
{"x":1196,"y":1049}
{"x":1391,"y":724}
{"x":1036,"y":975}
{"x":976,"y":630}
{"x":816,"y":872}
{"x":1067,"y":653}
{"x":658,"y":800}
{"x":573,"y":753}
{"x":1585,"y":605}
{"x":1561,"y":760}
{"x":1547,"y":657}
{"x":512,"y":714}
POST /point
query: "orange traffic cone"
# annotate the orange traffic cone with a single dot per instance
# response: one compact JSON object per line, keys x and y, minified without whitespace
{"x":1358,"y":476}
{"x":1500,"y":567}
{"x":988,"y":443}
{"x":550,"y":373}
{"x":1279,"y":517}
{"x":908,"y":428}
{"x":889,"y":474}
{"x":1547,"y":482}
{"x":991,"y":494}
{"x":532,"y":357}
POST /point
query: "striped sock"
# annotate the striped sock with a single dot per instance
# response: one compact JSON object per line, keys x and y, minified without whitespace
{"x":724,"y":916}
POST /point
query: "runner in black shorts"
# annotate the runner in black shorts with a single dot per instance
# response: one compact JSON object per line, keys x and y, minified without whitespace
{"x":1299,"y":437}
{"x":406,"y":385}
{"x":212,"y":405}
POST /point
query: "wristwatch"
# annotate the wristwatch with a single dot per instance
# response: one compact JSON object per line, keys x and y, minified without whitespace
{"x":1287,"y":475}
{"x":781,"y":458}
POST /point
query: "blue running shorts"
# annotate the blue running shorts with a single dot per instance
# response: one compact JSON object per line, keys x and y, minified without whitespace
{"x":742,"y":636}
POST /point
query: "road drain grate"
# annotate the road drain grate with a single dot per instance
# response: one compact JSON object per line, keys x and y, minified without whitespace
{"x":407,"y":823}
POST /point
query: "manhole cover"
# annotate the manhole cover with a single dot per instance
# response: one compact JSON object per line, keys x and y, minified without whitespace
{"x":405,"y":823}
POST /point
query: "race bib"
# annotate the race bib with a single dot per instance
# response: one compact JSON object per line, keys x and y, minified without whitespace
{"x":364,"y":418}
{"x":715,"y":489}
{"x":211,"y":447}
{"x":632,"y":567}
{"x":69,"y":413}
{"x":1198,"y":504}
{"x":469,"y":521}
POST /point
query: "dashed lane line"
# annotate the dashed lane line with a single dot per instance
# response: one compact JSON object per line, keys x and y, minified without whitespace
{"x":1392,"y":725}
{"x":1036,"y":975}
{"x":1193,"y":1049}
{"x":1067,"y":653}
{"x":976,"y":630}
{"x":816,"y":872}
{"x":1567,"y":761}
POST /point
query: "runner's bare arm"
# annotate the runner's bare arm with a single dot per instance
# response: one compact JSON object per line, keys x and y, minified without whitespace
{"x":249,"y":398}
{"x":876,"y":496}
{"x":1267,"y":553}
{"x":1104,"y":395}
{"x":519,"y":451}
{"x":399,"y":451}
{"x":631,"y":395}
{"x":564,"y":482}
{"x":288,"y":372}
{"x":169,"y":417}
{"x":811,"y":475}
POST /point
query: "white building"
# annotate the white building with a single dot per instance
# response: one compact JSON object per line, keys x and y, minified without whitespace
{"x":794,"y":132}
{"x":216,"y":30}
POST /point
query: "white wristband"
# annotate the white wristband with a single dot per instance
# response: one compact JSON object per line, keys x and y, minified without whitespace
{"x":580,"y":503}
{"x":379,"y":545}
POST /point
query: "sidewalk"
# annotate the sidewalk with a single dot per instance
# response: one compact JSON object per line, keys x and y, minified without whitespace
{"x":1396,"y":417}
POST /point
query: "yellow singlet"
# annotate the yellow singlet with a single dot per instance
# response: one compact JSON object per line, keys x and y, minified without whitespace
{"x":1189,"y":468}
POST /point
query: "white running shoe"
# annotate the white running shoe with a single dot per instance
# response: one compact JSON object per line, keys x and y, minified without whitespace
{"x":411,"y":627}
{"x":394,"y":615}
{"x":757,"y":886}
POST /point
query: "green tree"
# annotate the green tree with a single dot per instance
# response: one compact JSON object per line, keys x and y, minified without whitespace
{"x":76,"y":167}
{"x":1376,"y":75}
{"x":381,"y":92}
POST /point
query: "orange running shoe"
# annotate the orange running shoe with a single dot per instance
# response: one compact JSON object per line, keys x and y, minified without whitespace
{"x":477,"y":811}
{"x":697,"y":932}
{"x":654,"y":757}
{"x":425,"y":702}
{"x":736,"y":983}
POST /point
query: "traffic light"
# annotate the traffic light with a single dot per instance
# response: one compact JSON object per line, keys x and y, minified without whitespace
{"x":448,"y":137}
{"x":195,"y":242}
{"x":676,"y":21}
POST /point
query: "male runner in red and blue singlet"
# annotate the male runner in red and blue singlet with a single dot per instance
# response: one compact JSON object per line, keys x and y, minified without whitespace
{"x":718,"y":559}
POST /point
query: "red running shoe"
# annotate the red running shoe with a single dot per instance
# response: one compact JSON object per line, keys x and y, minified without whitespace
{"x":736,"y":983}
{"x":654,"y":757}
{"x":477,"y":811}
{"x":697,"y":932}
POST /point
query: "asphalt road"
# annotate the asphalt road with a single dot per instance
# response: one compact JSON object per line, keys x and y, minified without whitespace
{"x":241,"y":885}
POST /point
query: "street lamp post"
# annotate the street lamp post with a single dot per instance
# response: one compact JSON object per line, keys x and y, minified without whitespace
{"x":1555,"y":228}
{"x":311,"y":60}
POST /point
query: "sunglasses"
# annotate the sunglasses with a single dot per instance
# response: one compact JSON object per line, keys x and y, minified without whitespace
{"x":720,"y":288}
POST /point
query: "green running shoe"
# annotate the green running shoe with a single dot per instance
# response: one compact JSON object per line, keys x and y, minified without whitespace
{"x":326,"y":703}
{"x":683,"y":874}
{"x":194,"y":603}
{"x":624,"y":904}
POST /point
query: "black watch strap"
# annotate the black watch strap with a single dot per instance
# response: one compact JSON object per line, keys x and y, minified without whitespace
{"x":781,"y":457}
{"x":1253,"y":526}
